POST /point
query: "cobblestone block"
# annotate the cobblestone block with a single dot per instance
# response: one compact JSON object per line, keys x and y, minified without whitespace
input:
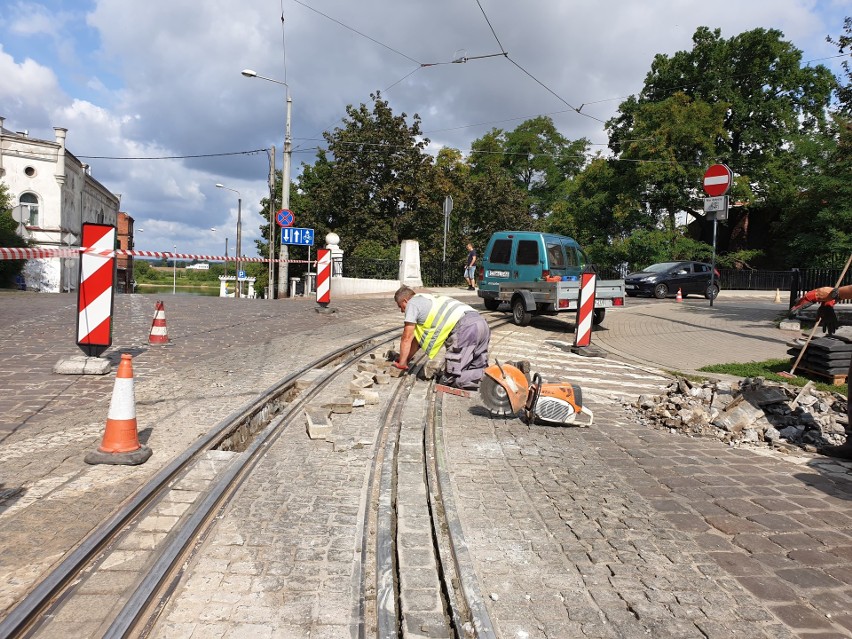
{"x":370,"y":397}
{"x":339,"y":406}
{"x":358,"y":384}
{"x":318,"y":422}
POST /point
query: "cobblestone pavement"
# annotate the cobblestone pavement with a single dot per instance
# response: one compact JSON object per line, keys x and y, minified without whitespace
{"x":612,"y":531}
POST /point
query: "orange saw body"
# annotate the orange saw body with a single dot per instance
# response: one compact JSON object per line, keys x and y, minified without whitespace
{"x":506,"y":389}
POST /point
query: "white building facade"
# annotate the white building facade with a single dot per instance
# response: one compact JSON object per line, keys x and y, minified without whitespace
{"x":54,"y":193}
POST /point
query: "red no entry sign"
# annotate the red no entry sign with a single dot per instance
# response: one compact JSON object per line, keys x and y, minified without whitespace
{"x":717,"y":180}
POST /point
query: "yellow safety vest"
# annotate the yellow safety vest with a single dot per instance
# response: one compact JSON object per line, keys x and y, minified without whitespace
{"x":443,"y":316}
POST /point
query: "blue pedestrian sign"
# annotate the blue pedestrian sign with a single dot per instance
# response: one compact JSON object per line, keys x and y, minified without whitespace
{"x":290,"y":235}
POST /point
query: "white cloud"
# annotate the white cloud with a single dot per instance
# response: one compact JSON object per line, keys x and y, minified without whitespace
{"x":177,"y":68}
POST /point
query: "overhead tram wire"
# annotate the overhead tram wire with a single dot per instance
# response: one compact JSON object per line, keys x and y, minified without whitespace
{"x":363,"y":35}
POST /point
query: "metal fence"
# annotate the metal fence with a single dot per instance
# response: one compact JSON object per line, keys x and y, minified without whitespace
{"x":369,"y":268}
{"x":804,"y":280}
{"x":750,"y":280}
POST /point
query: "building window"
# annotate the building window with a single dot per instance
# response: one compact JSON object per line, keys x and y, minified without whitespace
{"x":29,"y":171}
{"x":101,"y":216}
{"x":30,"y":202}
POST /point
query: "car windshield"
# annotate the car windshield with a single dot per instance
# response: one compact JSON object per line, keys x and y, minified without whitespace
{"x":660,"y":268}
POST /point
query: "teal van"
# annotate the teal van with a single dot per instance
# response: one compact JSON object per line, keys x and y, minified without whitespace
{"x":527,"y":256}
{"x":539,"y":274}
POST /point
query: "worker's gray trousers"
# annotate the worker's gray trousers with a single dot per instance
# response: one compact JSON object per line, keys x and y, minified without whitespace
{"x":467,"y":351}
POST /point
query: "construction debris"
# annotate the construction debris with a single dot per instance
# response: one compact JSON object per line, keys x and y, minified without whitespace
{"x":751,"y":412}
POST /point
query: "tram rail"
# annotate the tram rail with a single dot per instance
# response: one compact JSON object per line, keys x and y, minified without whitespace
{"x":383,"y":608}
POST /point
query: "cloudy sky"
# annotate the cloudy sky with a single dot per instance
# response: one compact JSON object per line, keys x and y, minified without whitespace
{"x":161,"y":78}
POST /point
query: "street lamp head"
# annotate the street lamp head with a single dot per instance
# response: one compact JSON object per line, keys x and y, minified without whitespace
{"x":213,"y":228}
{"x":220,"y":186}
{"x":249,"y":73}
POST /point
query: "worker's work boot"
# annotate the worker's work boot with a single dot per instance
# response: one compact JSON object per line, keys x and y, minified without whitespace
{"x":842,"y":451}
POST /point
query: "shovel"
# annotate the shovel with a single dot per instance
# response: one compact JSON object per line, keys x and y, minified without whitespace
{"x":791,"y":374}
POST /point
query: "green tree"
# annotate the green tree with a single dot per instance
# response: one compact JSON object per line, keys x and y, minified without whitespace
{"x":844,"y":89}
{"x":372,"y":182}
{"x":771,"y":106}
{"x":536,"y":156}
{"x":9,"y":238}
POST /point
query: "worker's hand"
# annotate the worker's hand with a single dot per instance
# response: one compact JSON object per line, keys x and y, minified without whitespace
{"x":827,"y":317}
{"x":400,"y":365}
{"x":806,"y":300}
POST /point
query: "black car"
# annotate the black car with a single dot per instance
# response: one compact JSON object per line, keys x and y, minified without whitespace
{"x":665,"y":278}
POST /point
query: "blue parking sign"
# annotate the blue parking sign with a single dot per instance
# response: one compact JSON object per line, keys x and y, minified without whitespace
{"x":291,"y":235}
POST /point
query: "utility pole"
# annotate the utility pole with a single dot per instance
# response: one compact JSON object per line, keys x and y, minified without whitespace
{"x":270,"y":288}
{"x":285,"y":201}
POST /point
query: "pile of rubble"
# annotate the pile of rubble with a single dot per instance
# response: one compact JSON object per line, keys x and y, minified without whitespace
{"x":751,"y":412}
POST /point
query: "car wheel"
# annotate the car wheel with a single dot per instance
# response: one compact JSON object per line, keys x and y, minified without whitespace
{"x":491,"y":303}
{"x":520,"y":315}
{"x":661,"y":291}
{"x":598,"y":316}
{"x":712,"y":292}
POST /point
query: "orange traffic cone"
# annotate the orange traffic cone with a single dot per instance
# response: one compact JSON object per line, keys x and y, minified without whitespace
{"x":679,"y":297}
{"x":120,"y":444}
{"x":159,"y":331}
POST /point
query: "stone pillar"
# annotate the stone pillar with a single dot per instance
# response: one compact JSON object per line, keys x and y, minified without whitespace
{"x":223,"y":286}
{"x":251,"y":294}
{"x":409,"y":264}
{"x":332,"y":241}
{"x":60,"y":160}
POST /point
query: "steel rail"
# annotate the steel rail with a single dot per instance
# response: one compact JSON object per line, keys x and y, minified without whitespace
{"x":26,"y":612}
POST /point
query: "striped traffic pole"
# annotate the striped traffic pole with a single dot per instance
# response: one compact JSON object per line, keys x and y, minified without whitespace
{"x":585,"y":310}
{"x":96,"y":289}
{"x":323,"y":276}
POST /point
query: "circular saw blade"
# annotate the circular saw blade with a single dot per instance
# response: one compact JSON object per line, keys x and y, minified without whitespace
{"x":494,"y":396}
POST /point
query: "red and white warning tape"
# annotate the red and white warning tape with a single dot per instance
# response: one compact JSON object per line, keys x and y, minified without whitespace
{"x":13,"y":253}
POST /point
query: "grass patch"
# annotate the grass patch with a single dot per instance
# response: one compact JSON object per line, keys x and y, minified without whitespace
{"x":769,"y":370}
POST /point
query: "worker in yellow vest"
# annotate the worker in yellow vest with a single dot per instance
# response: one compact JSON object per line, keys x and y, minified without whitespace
{"x":433,"y":321}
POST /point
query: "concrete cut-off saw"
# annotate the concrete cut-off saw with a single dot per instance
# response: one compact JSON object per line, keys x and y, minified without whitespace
{"x":507,"y":388}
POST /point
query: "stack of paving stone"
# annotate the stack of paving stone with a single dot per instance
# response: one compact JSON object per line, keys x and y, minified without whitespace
{"x":826,"y":357}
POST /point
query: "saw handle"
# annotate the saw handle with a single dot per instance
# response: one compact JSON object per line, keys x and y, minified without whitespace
{"x":532,"y":398}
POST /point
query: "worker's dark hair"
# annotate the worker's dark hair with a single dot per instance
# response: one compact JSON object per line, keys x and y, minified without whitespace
{"x":404,"y":293}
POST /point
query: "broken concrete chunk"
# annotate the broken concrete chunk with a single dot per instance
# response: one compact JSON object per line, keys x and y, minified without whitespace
{"x":369,"y":396}
{"x":339,"y":406}
{"x":382,"y":378}
{"x":359,"y":402}
{"x":318,"y":421}
{"x":360,"y":383}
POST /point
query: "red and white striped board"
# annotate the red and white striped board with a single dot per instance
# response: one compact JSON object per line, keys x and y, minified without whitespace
{"x":96,"y":290}
{"x":585,"y":309}
{"x":323,"y":276}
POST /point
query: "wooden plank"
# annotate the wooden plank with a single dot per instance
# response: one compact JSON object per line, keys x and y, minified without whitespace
{"x":835,"y":380}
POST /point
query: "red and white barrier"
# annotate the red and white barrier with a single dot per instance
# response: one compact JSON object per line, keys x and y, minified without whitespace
{"x":14,"y":253}
{"x":585,"y":310}
{"x":323,"y":276}
{"x":95,"y":293}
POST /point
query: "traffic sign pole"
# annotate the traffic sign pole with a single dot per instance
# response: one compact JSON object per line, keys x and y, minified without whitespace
{"x":717,"y":182}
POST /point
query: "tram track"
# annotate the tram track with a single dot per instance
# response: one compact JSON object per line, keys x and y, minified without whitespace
{"x":405,"y":495}
{"x":272,"y":409}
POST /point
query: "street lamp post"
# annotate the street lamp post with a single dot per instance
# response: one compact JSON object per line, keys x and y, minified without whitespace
{"x":285,"y":180}
{"x":174,"y":269}
{"x":215,"y":230}
{"x":239,"y":234}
